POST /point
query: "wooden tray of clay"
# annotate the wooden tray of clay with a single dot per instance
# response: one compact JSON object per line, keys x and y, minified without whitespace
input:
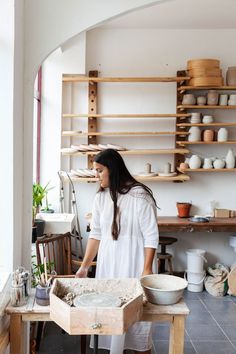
{"x":96,"y":320}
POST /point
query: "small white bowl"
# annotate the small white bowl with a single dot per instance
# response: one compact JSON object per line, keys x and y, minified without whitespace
{"x":162,"y":289}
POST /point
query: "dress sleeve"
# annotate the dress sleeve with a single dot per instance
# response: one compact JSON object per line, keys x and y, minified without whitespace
{"x":95,"y":223}
{"x":148,"y":222}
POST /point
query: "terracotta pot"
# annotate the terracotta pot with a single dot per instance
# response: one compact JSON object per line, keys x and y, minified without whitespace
{"x":183,"y":209}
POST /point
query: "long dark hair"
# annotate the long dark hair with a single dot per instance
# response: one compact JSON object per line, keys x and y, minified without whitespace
{"x":120,"y":182}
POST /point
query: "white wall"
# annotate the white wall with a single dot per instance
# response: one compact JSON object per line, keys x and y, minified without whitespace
{"x":47,"y":25}
{"x":157,"y":53}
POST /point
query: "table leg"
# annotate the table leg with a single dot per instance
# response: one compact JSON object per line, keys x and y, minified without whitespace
{"x":16,"y":334}
{"x":176,"y":343}
{"x":95,"y":348}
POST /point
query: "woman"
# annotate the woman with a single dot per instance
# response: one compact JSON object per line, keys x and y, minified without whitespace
{"x":124,"y":235}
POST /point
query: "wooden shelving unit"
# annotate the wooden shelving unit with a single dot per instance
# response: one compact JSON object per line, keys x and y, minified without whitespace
{"x":183,"y":123}
{"x":178,"y":178}
{"x":84,"y":134}
{"x":183,"y":88}
{"x":187,"y":170}
{"x":92,"y":115}
{"x":183,"y":143}
{"x":182,"y":107}
{"x":69,"y":115}
{"x":81,"y":78}
{"x":132,"y":152}
{"x":219,"y":124}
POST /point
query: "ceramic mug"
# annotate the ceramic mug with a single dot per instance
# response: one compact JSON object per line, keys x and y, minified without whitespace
{"x":223,"y":100}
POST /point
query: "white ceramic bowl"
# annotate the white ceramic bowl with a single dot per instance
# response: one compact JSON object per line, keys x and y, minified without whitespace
{"x":163,"y":289}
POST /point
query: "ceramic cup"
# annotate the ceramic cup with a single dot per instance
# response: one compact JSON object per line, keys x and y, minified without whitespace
{"x":212,"y":97}
{"x":223,"y":100}
{"x":189,"y":99}
{"x":231,"y":76}
{"x":201,"y":100}
{"x":207,"y":119}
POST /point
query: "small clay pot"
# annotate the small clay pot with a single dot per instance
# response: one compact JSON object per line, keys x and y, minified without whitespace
{"x":183,"y":209}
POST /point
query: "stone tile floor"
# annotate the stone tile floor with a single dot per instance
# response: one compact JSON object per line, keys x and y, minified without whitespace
{"x":210,"y":329}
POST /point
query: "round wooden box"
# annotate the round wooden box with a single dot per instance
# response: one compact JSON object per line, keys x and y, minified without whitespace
{"x":203,"y":72}
{"x":203,"y":63}
{"x":206,"y":81}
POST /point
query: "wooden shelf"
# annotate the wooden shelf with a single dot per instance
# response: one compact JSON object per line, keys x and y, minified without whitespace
{"x":75,"y":133}
{"x":186,"y":88}
{"x":207,"y":170}
{"x":151,"y":115}
{"x":206,"y":125}
{"x":80,"y":78}
{"x":185,"y":106}
{"x":178,"y":178}
{"x":133,"y":152}
{"x":205,"y":142}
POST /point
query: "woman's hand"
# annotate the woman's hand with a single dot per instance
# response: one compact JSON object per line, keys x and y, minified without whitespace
{"x":82,"y":272}
{"x":146,"y":272}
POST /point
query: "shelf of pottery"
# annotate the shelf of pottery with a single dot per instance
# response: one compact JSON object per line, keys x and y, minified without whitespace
{"x":211,"y":126}
{"x":85,"y":134}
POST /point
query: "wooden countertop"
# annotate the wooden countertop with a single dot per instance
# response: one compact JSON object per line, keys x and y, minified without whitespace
{"x":174,"y":223}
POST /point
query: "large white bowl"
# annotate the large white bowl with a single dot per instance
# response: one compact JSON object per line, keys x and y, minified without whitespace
{"x":163,"y":289}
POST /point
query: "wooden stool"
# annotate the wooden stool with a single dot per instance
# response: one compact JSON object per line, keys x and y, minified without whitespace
{"x":163,"y":256}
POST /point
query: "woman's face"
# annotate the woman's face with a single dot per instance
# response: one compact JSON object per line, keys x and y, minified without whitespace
{"x":102,"y":174}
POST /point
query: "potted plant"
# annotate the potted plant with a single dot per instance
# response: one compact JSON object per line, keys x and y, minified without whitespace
{"x":41,"y":280}
{"x":39,"y":193}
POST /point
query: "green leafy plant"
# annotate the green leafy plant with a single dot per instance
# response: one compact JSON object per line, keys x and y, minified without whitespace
{"x":39,"y":193}
{"x":38,"y":273}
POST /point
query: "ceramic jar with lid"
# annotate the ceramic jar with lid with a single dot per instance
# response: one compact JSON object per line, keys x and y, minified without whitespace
{"x":212,"y":97}
{"x":194,"y":134}
{"x":222,"y":135}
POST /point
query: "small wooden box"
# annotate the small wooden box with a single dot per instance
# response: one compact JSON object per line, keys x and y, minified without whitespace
{"x":221,"y":213}
{"x":96,"y":320}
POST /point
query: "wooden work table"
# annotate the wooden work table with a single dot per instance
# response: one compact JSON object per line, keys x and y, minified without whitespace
{"x":174,"y":314}
{"x":173,"y":224}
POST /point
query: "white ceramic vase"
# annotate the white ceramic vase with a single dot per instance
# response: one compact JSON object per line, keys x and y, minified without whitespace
{"x":219,"y":163}
{"x":230,"y":159}
{"x":195,"y":162}
{"x":194,"y":134}
{"x":222,"y":134}
{"x":207,"y":163}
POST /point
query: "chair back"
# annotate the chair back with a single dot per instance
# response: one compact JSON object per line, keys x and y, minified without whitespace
{"x":57,"y":251}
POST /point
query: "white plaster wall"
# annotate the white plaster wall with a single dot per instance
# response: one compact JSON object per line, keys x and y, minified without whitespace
{"x":156,"y":53}
{"x":70,"y":60}
{"x":141,"y":52}
{"x":47,"y":25}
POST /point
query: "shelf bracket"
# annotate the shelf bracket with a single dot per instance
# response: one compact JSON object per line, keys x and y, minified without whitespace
{"x":92,"y":109}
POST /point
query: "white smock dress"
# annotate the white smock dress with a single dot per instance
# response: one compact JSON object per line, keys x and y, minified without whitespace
{"x":124,"y":258}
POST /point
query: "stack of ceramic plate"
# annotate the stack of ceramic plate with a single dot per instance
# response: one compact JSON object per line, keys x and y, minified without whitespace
{"x":83,"y":173}
{"x":69,"y":150}
{"x":204,"y":72}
